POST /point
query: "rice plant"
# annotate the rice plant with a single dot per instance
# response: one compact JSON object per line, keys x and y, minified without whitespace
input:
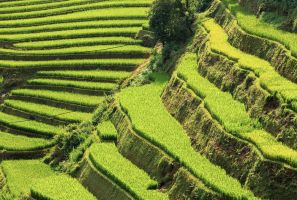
{"x":269,"y":78}
{"x":232,"y":114}
{"x":109,"y":161}
{"x":151,"y":120}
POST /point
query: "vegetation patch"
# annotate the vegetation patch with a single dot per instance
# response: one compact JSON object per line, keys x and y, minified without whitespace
{"x":107,"y":159}
{"x":269,"y":78}
{"x":107,"y":131}
{"x":60,"y":187}
{"x":254,"y":25}
{"x":232,"y":115}
{"x":143,"y":105}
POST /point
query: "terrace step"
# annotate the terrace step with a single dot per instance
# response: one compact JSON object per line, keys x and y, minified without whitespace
{"x":6,"y":4}
{"x":82,"y":52}
{"x":85,"y":64}
{"x":63,"y":97}
{"x":232,"y":114}
{"x":32,"y":116}
{"x":106,"y":158}
{"x":53,"y":103}
{"x":17,"y":143}
{"x":141,"y":103}
{"x":82,"y":16}
{"x":72,"y":83}
{"x":71,"y":34}
{"x":83,"y":6}
{"x":53,"y":114}
{"x":25,"y":177}
{"x":27,"y":127}
{"x":13,"y":7}
{"x":76,"y":42}
{"x":85,"y":75}
{"x":268,"y":77}
{"x":72,"y":90}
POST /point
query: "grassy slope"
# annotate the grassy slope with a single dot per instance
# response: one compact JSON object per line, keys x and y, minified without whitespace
{"x":232,"y":114}
{"x":106,"y":158}
{"x":151,"y":119}
{"x":23,"y":176}
{"x":268,"y":77}
{"x":254,"y":25}
{"x":11,"y":142}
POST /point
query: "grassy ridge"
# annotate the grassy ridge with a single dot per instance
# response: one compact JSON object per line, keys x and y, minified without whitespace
{"x":49,"y":111}
{"x":42,"y":5}
{"x":25,"y":176}
{"x":91,"y":75}
{"x":52,"y":44}
{"x":151,"y":119}
{"x":254,"y":25}
{"x":100,"y":51}
{"x":29,"y":125}
{"x":76,"y":84}
{"x":59,"y":187}
{"x":69,"y":34}
{"x":107,"y":131}
{"x":75,"y":25}
{"x":11,"y":142}
{"x":99,"y":63}
{"x":232,"y":114}
{"x":67,"y":97}
{"x":107,"y":159}
{"x":71,"y":9}
{"x":21,"y":173}
{"x":268,"y":77}
{"x":99,"y":14}
{"x":25,"y":3}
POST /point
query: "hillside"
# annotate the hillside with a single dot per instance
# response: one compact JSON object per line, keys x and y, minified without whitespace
{"x":96,"y":103}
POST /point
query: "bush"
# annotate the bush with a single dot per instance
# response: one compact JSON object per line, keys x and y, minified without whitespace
{"x":171,"y":20}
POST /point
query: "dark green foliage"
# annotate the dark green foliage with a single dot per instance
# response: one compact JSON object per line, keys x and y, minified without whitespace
{"x":68,"y":141}
{"x":171,"y":20}
{"x":201,"y":5}
{"x":287,"y":8}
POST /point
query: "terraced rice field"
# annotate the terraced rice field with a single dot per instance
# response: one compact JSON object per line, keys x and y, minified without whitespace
{"x":89,"y":44}
{"x":222,"y":125}
{"x":78,"y":52}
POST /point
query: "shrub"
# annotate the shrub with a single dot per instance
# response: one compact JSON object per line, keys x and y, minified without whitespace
{"x":171,"y":20}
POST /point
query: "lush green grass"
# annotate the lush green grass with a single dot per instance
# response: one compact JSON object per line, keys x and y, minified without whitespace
{"x":61,"y":187}
{"x":29,"y":125}
{"x":80,"y":63}
{"x":75,"y":84}
{"x":232,"y":114}
{"x":79,"y":99}
{"x":25,"y":176}
{"x":49,"y":111}
{"x":118,"y":50}
{"x":23,"y":3}
{"x":91,"y":75}
{"x":268,"y":77}
{"x":151,"y":119}
{"x":69,"y":34}
{"x":254,"y":25}
{"x":39,"y":6}
{"x":109,"y":161}
{"x":107,"y":131}
{"x":70,"y":9}
{"x":52,"y":44}
{"x":20,"y":174}
{"x":74,"y":25}
{"x":11,"y":142}
{"x":97,"y":14}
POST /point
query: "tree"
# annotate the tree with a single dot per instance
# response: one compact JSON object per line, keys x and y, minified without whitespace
{"x":171,"y":20}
